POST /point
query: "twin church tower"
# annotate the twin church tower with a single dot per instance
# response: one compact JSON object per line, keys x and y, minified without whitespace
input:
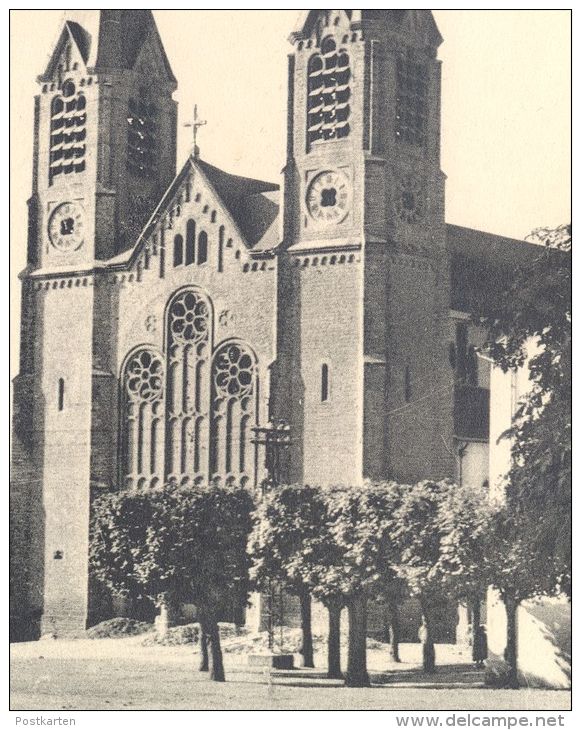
{"x":164,"y":316}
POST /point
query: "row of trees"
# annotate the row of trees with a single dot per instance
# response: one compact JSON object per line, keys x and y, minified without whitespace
{"x":434,"y":541}
{"x":344,"y":547}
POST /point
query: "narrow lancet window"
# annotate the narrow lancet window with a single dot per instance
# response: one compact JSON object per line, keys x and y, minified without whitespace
{"x":178,"y":250}
{"x":202,"y":247}
{"x":324,"y":383}
{"x":61,"y":394}
{"x":190,"y":242}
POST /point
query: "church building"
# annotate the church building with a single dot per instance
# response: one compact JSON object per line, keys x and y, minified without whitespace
{"x":167,"y":315}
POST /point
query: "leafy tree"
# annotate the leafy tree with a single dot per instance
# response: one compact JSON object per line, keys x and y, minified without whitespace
{"x":320,"y":563}
{"x":517,"y":572}
{"x":173,"y":545}
{"x":118,"y":542}
{"x":531,"y":324}
{"x":285,"y":520}
{"x":464,"y":519}
{"x":419,"y":533}
{"x":218,"y":525}
{"x":357,"y":526}
{"x":390,"y":588}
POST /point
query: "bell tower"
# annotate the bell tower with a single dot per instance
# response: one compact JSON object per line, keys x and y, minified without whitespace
{"x":363,"y":272}
{"x":105,"y":128}
{"x":104,"y":152}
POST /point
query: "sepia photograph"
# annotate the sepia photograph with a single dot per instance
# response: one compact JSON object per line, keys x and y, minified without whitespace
{"x":290,"y":335}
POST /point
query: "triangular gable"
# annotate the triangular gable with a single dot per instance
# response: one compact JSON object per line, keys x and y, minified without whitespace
{"x":247,"y":204}
{"x":418,"y":23}
{"x":312,"y":22}
{"x":108,"y":40}
{"x":72,"y":47}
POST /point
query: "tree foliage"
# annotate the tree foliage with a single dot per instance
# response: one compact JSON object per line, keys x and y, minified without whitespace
{"x":531,"y":326}
{"x":464,"y":521}
{"x":175,"y":545}
{"x":286,"y":524}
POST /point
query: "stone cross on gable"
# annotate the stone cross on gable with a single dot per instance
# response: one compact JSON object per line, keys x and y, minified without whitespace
{"x":195,"y":124}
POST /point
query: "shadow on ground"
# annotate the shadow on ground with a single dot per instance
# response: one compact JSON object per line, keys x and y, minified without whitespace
{"x":447,"y":676}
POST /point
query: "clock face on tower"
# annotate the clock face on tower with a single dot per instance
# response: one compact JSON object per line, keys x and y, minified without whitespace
{"x":66,"y":227}
{"x":329,"y":197}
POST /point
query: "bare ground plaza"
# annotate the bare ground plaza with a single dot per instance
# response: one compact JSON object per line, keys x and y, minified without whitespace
{"x":122,"y":674}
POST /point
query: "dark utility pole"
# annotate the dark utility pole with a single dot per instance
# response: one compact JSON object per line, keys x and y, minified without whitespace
{"x":275,"y":437}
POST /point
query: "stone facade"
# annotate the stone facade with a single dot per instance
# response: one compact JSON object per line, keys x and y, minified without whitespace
{"x":164,"y":317}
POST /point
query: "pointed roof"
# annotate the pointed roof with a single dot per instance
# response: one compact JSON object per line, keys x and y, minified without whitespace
{"x":250,"y":202}
{"x":395,"y":20}
{"x":109,"y":39}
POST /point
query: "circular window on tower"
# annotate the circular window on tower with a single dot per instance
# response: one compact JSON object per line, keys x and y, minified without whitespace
{"x":409,"y":199}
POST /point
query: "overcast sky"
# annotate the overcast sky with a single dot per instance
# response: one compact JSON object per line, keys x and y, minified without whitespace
{"x":505,"y":105}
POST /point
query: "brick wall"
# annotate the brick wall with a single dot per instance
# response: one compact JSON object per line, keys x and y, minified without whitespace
{"x":320,"y":322}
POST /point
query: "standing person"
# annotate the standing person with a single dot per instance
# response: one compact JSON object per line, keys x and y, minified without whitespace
{"x":481,"y":646}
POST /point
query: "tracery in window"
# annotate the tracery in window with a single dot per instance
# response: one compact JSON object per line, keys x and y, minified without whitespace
{"x":67,"y":132}
{"x":188,"y":387}
{"x":329,"y":92}
{"x":411,"y":101}
{"x":234,"y":393}
{"x":142,"y":136}
{"x":142,"y":414}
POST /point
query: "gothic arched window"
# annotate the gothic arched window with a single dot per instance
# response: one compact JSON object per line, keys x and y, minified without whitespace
{"x":142,"y":136}
{"x":142,"y":425}
{"x":328,"y":108}
{"x":189,"y":325}
{"x":68,"y":132}
{"x":234,"y":398}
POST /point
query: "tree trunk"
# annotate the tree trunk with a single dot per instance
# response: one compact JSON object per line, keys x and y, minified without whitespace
{"x":394,"y":630}
{"x":334,"y":641}
{"x":511,"y":607}
{"x":356,"y":675}
{"x":307,"y":648}
{"x":209,"y":626}
{"x":426,"y":635}
{"x":475,"y":633}
{"x":204,"y":661}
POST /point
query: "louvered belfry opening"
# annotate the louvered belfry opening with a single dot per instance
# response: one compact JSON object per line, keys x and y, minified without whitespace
{"x":329,"y":92}
{"x":68,"y":131}
{"x":142,"y":136}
